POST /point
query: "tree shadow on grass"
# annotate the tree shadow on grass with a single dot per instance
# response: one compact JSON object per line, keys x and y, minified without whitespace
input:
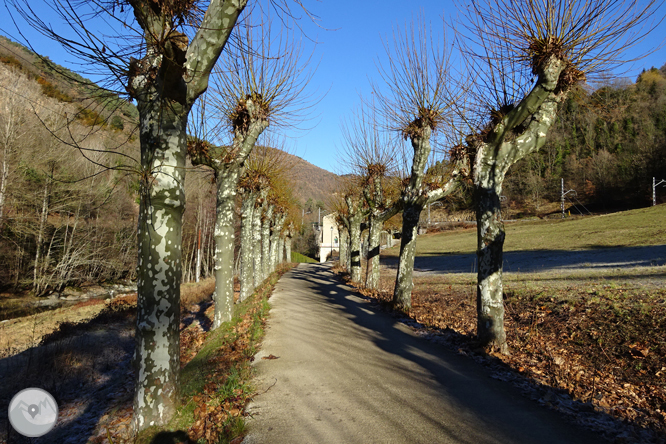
{"x":594,"y":257}
{"x":85,"y":366}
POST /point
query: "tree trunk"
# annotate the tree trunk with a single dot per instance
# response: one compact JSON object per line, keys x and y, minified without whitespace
{"x":535,"y":113}
{"x":157,"y":353}
{"x":376,"y":225}
{"x":266,"y":242}
{"x":344,"y":247}
{"x":280,"y":250}
{"x":275,"y":240}
{"x":287,"y":248}
{"x":355,"y":247}
{"x":247,"y":247}
{"x":3,"y":184}
{"x":412,"y":204}
{"x":402,"y":294}
{"x":40,"y":234}
{"x":258,"y":275}
{"x":227,"y":178}
{"x":489,"y":292}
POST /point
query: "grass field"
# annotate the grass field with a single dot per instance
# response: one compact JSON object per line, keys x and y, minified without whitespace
{"x":642,"y":227}
{"x":299,"y":258}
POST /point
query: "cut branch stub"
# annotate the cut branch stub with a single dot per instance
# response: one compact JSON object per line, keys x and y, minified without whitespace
{"x":541,"y":50}
{"x":251,"y":108}
{"x":427,"y":118}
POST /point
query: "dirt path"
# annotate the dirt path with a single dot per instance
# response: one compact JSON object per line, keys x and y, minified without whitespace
{"x":348,"y":373}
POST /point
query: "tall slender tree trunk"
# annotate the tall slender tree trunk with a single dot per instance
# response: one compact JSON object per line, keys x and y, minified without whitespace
{"x":157,"y":352}
{"x":489,"y":294}
{"x":258,"y":275}
{"x":375,"y":229}
{"x":280,"y":250}
{"x":402,"y":295}
{"x":227,"y":178}
{"x":266,"y":241}
{"x":344,"y":247}
{"x":247,"y":247}
{"x":287,"y":247}
{"x":355,"y":247}
{"x":3,"y":185}
{"x":412,"y":202}
{"x":40,"y":234}
{"x":275,"y":240}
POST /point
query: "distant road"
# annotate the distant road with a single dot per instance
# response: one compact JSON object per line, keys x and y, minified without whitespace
{"x":346,"y":373}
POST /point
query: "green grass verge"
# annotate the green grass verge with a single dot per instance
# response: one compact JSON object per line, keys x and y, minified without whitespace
{"x":299,"y":258}
{"x":641,"y":227}
{"x":215,"y":384}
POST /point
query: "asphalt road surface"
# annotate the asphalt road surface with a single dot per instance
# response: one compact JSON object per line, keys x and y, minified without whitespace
{"x":346,"y":373}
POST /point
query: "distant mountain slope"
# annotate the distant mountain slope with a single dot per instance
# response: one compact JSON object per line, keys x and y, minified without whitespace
{"x":310,"y":181}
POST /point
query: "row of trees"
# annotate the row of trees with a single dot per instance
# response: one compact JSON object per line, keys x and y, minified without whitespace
{"x":522,"y":61}
{"x":164,"y":55}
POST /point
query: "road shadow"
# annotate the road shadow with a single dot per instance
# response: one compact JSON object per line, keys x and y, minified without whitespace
{"x":474,"y":387}
{"x":543,"y":260}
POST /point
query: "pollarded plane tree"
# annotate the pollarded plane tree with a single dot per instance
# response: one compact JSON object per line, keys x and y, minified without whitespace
{"x":159,"y":53}
{"x":528,"y":56}
{"x":262,"y":187}
{"x":259,"y":84}
{"x":281,"y":225}
{"x":369,"y":154}
{"x":356,"y":211}
{"x":419,"y":99}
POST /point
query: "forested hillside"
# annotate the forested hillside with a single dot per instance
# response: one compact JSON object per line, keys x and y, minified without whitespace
{"x":66,"y":218}
{"x":607,"y":145}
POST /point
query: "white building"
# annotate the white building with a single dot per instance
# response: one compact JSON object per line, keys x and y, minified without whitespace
{"x":329,"y":239}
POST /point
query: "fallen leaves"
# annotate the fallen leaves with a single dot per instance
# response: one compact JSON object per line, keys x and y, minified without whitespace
{"x":604,"y":345}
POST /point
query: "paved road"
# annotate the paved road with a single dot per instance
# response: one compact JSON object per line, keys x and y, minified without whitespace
{"x":349,"y":374}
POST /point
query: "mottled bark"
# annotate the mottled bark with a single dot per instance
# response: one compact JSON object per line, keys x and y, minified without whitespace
{"x":376,"y":221}
{"x":355,"y":248}
{"x":280,"y":250}
{"x":157,"y":352}
{"x":413,"y":202}
{"x":380,"y":211}
{"x":276,"y":230}
{"x":226,"y":180}
{"x":356,"y":216}
{"x":503,"y":147}
{"x":258,"y":275}
{"x":166,"y":83}
{"x":344,"y":247}
{"x":247,"y":247}
{"x":402,"y":296}
{"x":266,"y":241}
{"x":228,"y":170}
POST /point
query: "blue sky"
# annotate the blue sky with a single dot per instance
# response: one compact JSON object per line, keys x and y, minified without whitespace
{"x":350,"y":42}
